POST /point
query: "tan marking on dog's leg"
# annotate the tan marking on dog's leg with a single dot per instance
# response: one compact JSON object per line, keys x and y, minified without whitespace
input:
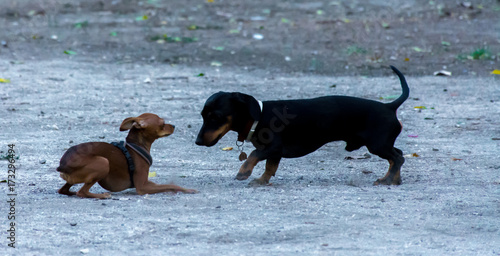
{"x":209,"y":137}
{"x":247,"y":167}
{"x":384,"y":180}
{"x":396,"y":180}
{"x":271,"y":167}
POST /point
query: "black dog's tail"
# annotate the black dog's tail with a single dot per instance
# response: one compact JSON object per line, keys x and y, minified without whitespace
{"x":406,"y":91}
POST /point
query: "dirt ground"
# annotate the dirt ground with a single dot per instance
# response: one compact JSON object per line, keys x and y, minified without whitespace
{"x":320,"y":37}
{"x":73,"y":70}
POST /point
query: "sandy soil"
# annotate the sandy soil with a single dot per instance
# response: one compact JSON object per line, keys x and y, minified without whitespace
{"x":319,"y":37}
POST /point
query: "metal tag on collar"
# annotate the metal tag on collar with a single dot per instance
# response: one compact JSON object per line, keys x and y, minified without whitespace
{"x":243,"y":155}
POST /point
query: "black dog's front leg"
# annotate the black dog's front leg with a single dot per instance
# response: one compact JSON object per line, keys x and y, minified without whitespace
{"x":271,"y":167}
{"x":247,"y":167}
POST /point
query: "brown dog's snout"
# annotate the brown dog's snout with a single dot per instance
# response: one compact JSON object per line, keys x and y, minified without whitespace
{"x":169,"y":129}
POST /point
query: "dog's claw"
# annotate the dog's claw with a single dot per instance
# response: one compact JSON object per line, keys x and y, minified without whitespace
{"x":257,"y":183}
{"x":68,"y":193}
{"x":387,"y":181}
{"x":92,"y":195}
{"x":190,"y":191}
{"x":102,"y":196}
{"x":241,"y":176}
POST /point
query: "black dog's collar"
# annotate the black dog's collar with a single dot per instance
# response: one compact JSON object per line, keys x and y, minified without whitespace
{"x":255,"y":123}
{"x":130,"y":162}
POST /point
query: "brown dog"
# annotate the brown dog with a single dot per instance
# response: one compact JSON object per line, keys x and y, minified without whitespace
{"x":117,"y":166}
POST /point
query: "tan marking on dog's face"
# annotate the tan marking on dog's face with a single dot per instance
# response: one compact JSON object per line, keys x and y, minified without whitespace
{"x":212,"y":137}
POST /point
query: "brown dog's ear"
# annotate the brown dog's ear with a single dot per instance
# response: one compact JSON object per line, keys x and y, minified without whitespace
{"x":130,"y":122}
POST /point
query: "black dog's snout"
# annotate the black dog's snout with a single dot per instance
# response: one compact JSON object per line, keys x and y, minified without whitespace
{"x":199,"y":141}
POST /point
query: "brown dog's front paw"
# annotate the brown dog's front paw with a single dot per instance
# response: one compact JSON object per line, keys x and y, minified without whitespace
{"x":387,"y":181}
{"x":190,"y":191}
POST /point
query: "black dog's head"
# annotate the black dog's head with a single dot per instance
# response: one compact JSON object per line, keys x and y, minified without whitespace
{"x":224,"y":111}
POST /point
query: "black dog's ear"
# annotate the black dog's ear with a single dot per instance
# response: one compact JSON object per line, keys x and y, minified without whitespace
{"x":250,"y":103}
{"x":215,"y":96}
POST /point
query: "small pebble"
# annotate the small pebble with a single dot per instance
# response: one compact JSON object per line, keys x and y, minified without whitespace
{"x":258,"y":37}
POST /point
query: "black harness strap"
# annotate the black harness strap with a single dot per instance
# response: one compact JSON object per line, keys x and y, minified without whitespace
{"x":130,"y":161}
{"x":142,"y":152}
{"x":139,"y":150}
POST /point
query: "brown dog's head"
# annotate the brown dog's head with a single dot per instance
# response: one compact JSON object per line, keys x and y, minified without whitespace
{"x":224,"y":111}
{"x":148,"y":126}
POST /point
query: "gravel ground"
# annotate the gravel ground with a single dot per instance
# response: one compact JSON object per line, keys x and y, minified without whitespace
{"x":330,"y":37}
{"x":320,"y":204}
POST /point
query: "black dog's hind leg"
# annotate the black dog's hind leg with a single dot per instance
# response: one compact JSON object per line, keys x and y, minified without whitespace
{"x":271,"y":167}
{"x":393,"y":175}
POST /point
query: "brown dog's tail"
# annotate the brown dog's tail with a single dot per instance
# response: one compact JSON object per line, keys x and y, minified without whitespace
{"x":406,"y":91}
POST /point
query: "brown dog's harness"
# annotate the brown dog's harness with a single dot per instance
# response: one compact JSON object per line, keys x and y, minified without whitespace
{"x":130,"y":162}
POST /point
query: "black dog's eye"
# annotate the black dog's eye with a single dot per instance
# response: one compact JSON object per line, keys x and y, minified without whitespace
{"x":214,"y":116}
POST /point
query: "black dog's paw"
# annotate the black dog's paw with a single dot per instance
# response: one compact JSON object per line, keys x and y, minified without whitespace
{"x":258,"y":182}
{"x":242,"y":176}
{"x":387,"y":181}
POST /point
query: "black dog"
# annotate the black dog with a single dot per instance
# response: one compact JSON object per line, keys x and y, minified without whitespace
{"x":294,"y":128}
